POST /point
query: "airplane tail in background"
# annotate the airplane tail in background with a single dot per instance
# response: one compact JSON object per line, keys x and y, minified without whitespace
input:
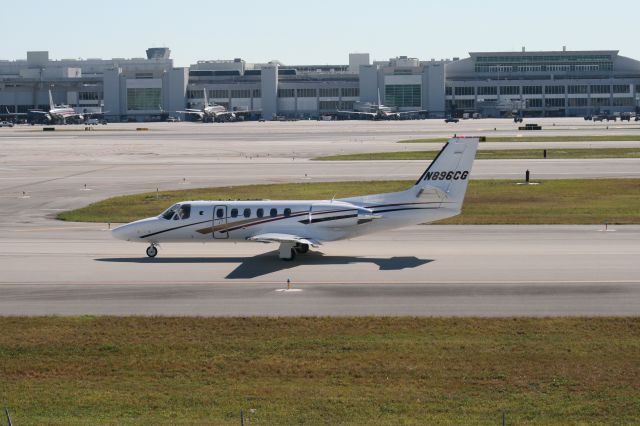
{"x":206,"y":98}
{"x":449,"y":172}
{"x":51,"y":104}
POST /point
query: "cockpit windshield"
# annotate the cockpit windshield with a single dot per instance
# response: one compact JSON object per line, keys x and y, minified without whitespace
{"x":168,"y":213}
{"x":177,"y":212}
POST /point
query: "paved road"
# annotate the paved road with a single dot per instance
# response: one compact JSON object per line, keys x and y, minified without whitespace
{"x":423,"y":270}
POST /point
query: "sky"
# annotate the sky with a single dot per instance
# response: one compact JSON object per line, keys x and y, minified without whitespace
{"x":312,"y":32}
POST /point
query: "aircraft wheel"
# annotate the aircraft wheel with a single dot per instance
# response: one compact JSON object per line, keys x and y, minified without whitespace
{"x":302,"y":248}
{"x":152,"y":251}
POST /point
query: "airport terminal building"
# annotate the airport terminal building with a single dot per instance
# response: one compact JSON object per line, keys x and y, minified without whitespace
{"x":553,"y":83}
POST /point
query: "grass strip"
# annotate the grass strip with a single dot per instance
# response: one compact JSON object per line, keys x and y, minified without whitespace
{"x":494,"y":154}
{"x":320,"y":371}
{"x":566,"y":201}
{"x":586,"y":138}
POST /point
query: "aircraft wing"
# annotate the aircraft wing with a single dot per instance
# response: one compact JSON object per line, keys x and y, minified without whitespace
{"x":91,"y":114}
{"x":360,"y":113}
{"x":284,"y":238}
{"x":237,"y":112}
{"x":12,"y":114}
{"x":408,"y":112}
{"x":197,"y":112}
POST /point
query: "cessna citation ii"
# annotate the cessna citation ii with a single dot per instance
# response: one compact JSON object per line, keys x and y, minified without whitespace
{"x":298,"y":225}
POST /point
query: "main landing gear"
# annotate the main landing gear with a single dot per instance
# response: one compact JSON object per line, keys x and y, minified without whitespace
{"x":288,"y":251}
{"x":152,"y":250}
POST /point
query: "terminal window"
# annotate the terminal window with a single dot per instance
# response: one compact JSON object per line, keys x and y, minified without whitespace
{"x":510,"y":90}
{"x":330,"y":92}
{"x":600,"y":102}
{"x":402,"y":95}
{"x":465,"y":104}
{"x":350,"y":91}
{"x":531,"y":90}
{"x":461,"y":91}
{"x":578,"y":102}
{"x":487,"y":90}
{"x":328,"y":105}
{"x":554,"y":102}
{"x":600,"y":88}
{"x":307,"y":93}
{"x":578,"y":89}
{"x":144,"y":99}
{"x":534,"y":103}
{"x":286,"y":93}
{"x":623,"y":102}
{"x":241,"y":93}
{"x":89,"y":96}
{"x":219,"y":93}
{"x":348,"y":105}
{"x":620,"y":88}
{"x":554,"y":90}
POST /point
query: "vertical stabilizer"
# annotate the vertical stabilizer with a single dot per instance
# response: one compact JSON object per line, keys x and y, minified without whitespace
{"x":206,"y":98}
{"x":51,"y":104}
{"x":449,"y":171}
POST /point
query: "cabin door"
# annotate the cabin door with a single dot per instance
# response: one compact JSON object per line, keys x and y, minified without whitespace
{"x":220,"y":222}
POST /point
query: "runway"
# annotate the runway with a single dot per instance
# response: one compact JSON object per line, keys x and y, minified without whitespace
{"x":423,"y":270}
{"x":50,"y":267}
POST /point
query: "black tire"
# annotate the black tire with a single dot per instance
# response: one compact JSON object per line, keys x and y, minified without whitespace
{"x":152,"y":251}
{"x":302,"y":248}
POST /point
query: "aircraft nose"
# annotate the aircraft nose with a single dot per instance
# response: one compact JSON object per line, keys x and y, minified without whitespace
{"x":122,"y":232}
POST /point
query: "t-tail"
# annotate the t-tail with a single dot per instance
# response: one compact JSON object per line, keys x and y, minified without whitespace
{"x":440,"y":190}
{"x":448,"y":173}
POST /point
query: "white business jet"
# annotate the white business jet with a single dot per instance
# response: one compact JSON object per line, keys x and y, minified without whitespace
{"x":297,"y":225}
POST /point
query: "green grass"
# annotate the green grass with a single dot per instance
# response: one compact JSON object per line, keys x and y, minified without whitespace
{"x":586,"y":138}
{"x":494,"y":154}
{"x":569,"y":201}
{"x":320,"y":371}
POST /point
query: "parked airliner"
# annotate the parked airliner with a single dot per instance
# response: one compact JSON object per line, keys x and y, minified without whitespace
{"x":213,"y":112}
{"x":298,"y":225}
{"x":60,"y":113}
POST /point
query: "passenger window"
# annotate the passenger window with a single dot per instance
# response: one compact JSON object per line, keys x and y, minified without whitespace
{"x":260,"y":212}
{"x":287,"y":212}
{"x":185,"y":211}
{"x":273,"y":212}
{"x":247,"y":212}
{"x":201,"y":212}
{"x":220,"y":213}
{"x":234,"y":212}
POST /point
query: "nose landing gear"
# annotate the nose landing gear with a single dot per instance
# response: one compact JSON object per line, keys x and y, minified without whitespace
{"x":152,"y":250}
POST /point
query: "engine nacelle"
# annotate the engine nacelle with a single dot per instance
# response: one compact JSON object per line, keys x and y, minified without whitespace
{"x":338,"y":214}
